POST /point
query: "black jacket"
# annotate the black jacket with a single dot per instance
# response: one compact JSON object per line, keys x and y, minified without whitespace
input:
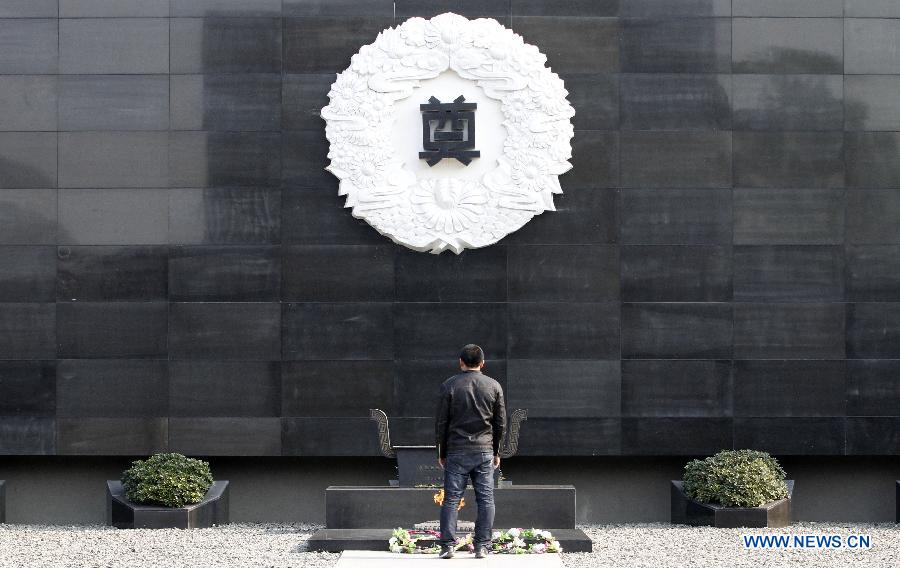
{"x":471,"y":414}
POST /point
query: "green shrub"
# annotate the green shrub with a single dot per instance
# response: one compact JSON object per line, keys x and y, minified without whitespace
{"x":170,"y":480}
{"x":735,"y":478}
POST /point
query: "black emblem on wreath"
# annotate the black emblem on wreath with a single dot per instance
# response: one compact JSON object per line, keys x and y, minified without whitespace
{"x":448,"y":131}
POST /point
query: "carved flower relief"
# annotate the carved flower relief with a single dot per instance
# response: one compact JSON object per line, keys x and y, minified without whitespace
{"x":448,"y":32}
{"x":530,"y":173}
{"x":517,"y":104}
{"x":367,"y":169}
{"x":448,"y":205}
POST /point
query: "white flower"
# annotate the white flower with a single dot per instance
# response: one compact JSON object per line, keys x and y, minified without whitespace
{"x":546,"y":535}
{"x":530,"y":173}
{"x":448,"y":205}
{"x":554,"y":546}
{"x":513,"y":532}
{"x":495,"y":535}
{"x":518,"y":543}
{"x":367,"y":169}
{"x":538,"y":548}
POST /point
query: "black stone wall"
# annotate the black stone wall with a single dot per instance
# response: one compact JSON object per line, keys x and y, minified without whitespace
{"x":177,"y":271}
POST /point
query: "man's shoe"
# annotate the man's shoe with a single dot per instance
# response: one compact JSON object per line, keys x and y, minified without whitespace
{"x":481,"y":552}
{"x":446,"y":552}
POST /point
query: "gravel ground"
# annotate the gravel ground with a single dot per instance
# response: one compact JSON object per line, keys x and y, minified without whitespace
{"x":655,"y":545}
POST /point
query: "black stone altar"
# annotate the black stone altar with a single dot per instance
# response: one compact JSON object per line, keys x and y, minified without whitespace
{"x":687,"y":511}
{"x":123,"y":514}
{"x":362,"y":518}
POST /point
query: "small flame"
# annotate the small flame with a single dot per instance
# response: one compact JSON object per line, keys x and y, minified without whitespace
{"x":439,"y":500}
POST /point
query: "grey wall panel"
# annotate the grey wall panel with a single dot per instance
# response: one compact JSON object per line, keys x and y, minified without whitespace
{"x":29,"y":273}
{"x":790,"y":388}
{"x":599,"y":151}
{"x":112,"y":388}
{"x":113,"y":216}
{"x":667,"y":273}
{"x":224,"y":274}
{"x":872,"y":387}
{"x":226,"y":102}
{"x":596,"y":96}
{"x":416,"y":386}
{"x":868,"y":46}
{"x":224,"y":388}
{"x":588,"y":273}
{"x":27,"y":435}
{"x":873,"y":331}
{"x":872,"y":216}
{"x":809,"y":436}
{"x":112,"y":436}
{"x":871,"y":9}
{"x":692,"y":45}
{"x":325,"y":44}
{"x":582,"y":216}
{"x":675,"y":436}
{"x":598,"y":38}
{"x":661,"y":388}
{"x":578,"y":389}
{"x":676,"y":159}
{"x":324,"y":331}
{"x":29,"y":46}
{"x":28,"y":102}
{"x":219,"y":215}
{"x":676,"y":216}
{"x":363,"y":385}
{"x":676,"y":331}
{"x":564,"y":330}
{"x":29,"y":9}
{"x":676,"y":8}
{"x":313,"y":436}
{"x":114,"y":102}
{"x":302,"y":98}
{"x":114,"y":45}
{"x":225,"y":45}
{"x":28,"y":216}
{"x":873,"y":436}
{"x":789,"y":331}
{"x":571,"y":436}
{"x":664,"y":101}
{"x":27,"y":331}
{"x":230,"y":8}
{"x":27,"y":388}
{"x":113,"y":8}
{"x":872,"y":159}
{"x":870,"y":103}
{"x":787,"y":8}
{"x":789,"y":159}
{"x":111,"y":273}
{"x":28,"y":159}
{"x":245,"y":330}
{"x":224,"y":159}
{"x":225,"y":436}
{"x":339,"y":273}
{"x":111,"y":329}
{"x":788,"y":273}
{"x":431,"y":330}
{"x":789,"y":216}
{"x":788,"y":45}
{"x":113,"y":159}
{"x":788,"y":102}
{"x":873,"y":273}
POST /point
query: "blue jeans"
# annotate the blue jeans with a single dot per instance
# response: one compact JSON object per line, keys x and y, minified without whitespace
{"x":458,"y":469}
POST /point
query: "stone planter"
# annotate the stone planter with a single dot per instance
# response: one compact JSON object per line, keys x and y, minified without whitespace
{"x":686,"y":511}
{"x":123,"y":514}
{"x":2,"y":501}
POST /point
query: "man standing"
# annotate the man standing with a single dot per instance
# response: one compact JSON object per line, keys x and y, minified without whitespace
{"x":471,"y":419}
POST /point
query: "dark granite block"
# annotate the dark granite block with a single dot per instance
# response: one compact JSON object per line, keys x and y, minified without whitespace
{"x":27,"y":331}
{"x":384,"y":507}
{"x":30,"y":46}
{"x":787,"y":45}
{"x":339,"y":540}
{"x":675,"y":436}
{"x":328,"y":273}
{"x":229,"y":8}
{"x":675,"y":8}
{"x":789,"y":216}
{"x":675,"y":102}
{"x":302,"y":8}
{"x":319,"y":217}
{"x":305,"y":158}
{"x":224,"y":388}
{"x":226,"y":45}
{"x":676,"y":159}
{"x":789,"y":8}
{"x":29,"y":9}
{"x":468,"y":8}
{"x":302,"y":99}
{"x":226,"y":102}
{"x":871,"y":9}
{"x":873,"y":159}
{"x":112,"y":436}
{"x":595,"y":159}
{"x":872,"y":387}
{"x":121,"y":513}
{"x":28,"y":102}
{"x":417,"y":383}
{"x":870,"y":46}
{"x":27,"y":273}
{"x":111,"y":329}
{"x":571,"y":437}
{"x":676,"y":273}
{"x":113,"y":159}
{"x":788,"y":102}
{"x":578,"y":273}
{"x":687,"y":511}
{"x":595,"y":8}
{"x":870,"y":103}
{"x":28,"y":216}
{"x":329,"y":437}
{"x":788,"y":159}
{"x":206,"y":159}
{"x":568,"y":330}
{"x":595,"y":98}
{"x":27,"y":388}
{"x":224,"y":215}
{"x":790,"y":388}
{"x":102,"y":273}
{"x":225,"y":273}
{"x":113,"y":216}
{"x":873,"y":436}
{"x":27,"y":159}
{"x":112,"y":388}
{"x":788,"y":273}
{"x":114,"y":102}
{"x":27,"y":435}
{"x":225,"y":331}
{"x":309,"y":388}
{"x":438,"y":330}
{"x":225,"y":436}
{"x":872,"y":217}
{"x":676,"y":388}
{"x":573,"y":44}
{"x":873,"y":330}
{"x":113,"y":8}
{"x":579,"y":388}
{"x":337,"y":331}
{"x":791,"y":436}
{"x":690,"y":45}
{"x":873,"y":273}
{"x":114,"y":45}
{"x":676,"y":331}
{"x":789,"y":331}
{"x":676,"y":216}
{"x":325,"y":44}
{"x":477,"y":275}
{"x":581,"y":216}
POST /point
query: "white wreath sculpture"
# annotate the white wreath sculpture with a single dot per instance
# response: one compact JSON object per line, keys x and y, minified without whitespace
{"x":448,"y":213}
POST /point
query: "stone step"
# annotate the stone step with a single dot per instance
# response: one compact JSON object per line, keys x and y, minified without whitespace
{"x":338,"y":540}
{"x":366,"y":559}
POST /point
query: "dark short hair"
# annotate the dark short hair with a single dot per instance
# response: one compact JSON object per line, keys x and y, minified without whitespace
{"x":471,"y":355}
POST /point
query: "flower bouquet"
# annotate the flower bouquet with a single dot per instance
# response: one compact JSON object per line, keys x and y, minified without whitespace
{"x":512,"y":541}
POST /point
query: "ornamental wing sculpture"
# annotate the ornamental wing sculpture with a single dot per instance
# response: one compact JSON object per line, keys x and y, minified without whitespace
{"x":384,"y":435}
{"x":509,"y":445}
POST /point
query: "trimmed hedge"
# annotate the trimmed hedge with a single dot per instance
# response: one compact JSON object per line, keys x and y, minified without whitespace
{"x":735,"y":478}
{"x":169,"y":480}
